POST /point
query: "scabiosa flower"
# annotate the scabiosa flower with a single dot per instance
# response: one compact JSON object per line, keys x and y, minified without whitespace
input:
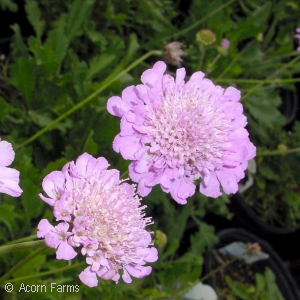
{"x":99,"y":215}
{"x":297,"y":36}
{"x":9,"y":178}
{"x":176,"y":132}
{"x":173,"y":53}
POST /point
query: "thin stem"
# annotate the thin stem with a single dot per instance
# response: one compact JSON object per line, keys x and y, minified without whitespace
{"x":59,"y":270}
{"x":236,"y":58}
{"x":24,"y":239}
{"x":185,"y":30}
{"x":265,"y":81}
{"x":102,"y":87}
{"x":22,"y":246}
{"x":277,"y":152}
{"x":21,"y":263}
{"x":256,"y":87}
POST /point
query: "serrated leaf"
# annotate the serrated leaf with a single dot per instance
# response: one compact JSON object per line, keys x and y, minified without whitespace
{"x":262,"y":106}
{"x":99,"y":63}
{"x":78,"y":15}
{"x":58,"y":42}
{"x":9,"y":5}
{"x":23,"y":77}
{"x":18,"y":46}
{"x":34,"y":17}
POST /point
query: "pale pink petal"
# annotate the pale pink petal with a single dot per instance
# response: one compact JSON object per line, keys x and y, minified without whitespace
{"x":7,"y":154}
{"x":65,"y":251}
{"x":138,"y":271}
{"x":9,"y":182}
{"x":152,"y":76}
{"x":88,"y":277}
{"x":53,"y":184}
{"x":213,"y":188}
{"x":117,"y":107}
{"x":44,"y":227}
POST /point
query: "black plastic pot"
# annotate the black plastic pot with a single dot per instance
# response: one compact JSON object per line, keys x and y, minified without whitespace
{"x":284,"y":280}
{"x":283,"y":240}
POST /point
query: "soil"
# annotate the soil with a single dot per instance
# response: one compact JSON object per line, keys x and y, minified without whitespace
{"x":239,"y":270}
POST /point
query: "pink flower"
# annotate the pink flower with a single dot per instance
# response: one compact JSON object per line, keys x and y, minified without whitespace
{"x":101,"y":217}
{"x":9,"y":178}
{"x":297,"y":36}
{"x":225,"y":43}
{"x":176,"y":132}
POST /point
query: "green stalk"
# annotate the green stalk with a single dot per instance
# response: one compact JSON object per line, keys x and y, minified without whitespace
{"x":265,"y":81}
{"x":101,"y":88}
{"x":22,"y":246}
{"x":256,"y":87}
{"x":59,"y":270}
{"x":276,"y":152}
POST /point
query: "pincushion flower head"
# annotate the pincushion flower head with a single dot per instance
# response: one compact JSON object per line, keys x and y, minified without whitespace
{"x":101,"y":217}
{"x":176,"y":132}
{"x":9,"y":178}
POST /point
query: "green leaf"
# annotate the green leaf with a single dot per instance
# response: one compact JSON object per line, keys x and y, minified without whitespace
{"x":18,"y":46}
{"x":8,"y":217}
{"x":54,"y":166}
{"x":98,"y":63}
{"x":34,"y":17}
{"x":23,"y":77}
{"x":171,"y":249}
{"x":9,"y":5}
{"x":90,"y":146}
{"x":4,"y":108}
{"x":40,"y":119}
{"x":77,"y":17}
{"x":58,"y":43}
{"x":203,"y":239}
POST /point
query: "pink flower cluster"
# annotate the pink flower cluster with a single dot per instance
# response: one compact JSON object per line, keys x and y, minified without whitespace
{"x":9,"y":178}
{"x":176,"y":132}
{"x":99,"y":215}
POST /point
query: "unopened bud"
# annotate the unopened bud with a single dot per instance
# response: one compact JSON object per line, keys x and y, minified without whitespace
{"x":160,"y":239}
{"x":206,"y":37}
{"x":282,"y":149}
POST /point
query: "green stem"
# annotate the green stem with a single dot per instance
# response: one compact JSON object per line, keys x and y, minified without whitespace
{"x":256,"y":87}
{"x":185,"y":30}
{"x":21,"y":246}
{"x":24,"y":239}
{"x":265,"y":81}
{"x":276,"y":152}
{"x":21,"y":263}
{"x":102,"y":87}
{"x":59,"y":270}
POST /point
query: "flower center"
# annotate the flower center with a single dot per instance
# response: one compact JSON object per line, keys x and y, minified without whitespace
{"x":115,"y":219}
{"x":186,"y":130}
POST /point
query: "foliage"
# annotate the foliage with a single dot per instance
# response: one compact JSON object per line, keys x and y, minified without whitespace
{"x":54,"y":85}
